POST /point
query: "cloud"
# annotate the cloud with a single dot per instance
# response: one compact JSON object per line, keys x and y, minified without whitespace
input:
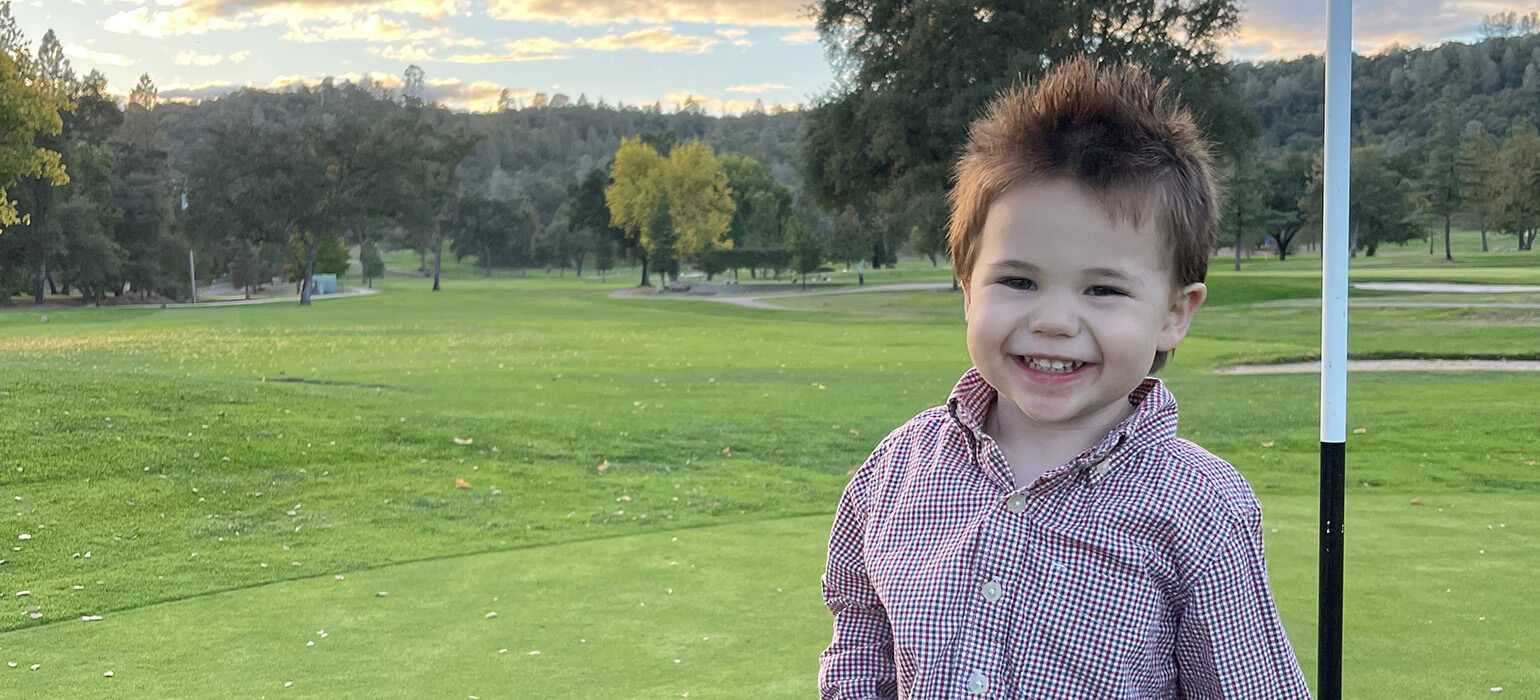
{"x":304,"y":20}
{"x":193,"y":58}
{"x":538,"y":49}
{"x":651,"y":40}
{"x":735,"y":36}
{"x":195,"y":92}
{"x":806,"y":36}
{"x":409,"y":53}
{"x":82,"y":53}
{"x":773,"y":13}
{"x":762,"y":87}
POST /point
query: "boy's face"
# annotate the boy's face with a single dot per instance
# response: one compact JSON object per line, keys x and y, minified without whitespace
{"x":1055,"y":278}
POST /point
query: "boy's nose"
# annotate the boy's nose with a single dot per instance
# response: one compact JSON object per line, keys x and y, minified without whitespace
{"x":1054,"y":317}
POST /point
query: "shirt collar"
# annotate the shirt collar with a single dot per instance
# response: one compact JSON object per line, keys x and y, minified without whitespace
{"x":1153,"y":420}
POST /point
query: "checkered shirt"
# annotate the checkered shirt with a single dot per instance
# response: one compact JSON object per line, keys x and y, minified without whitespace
{"x":1135,"y":570}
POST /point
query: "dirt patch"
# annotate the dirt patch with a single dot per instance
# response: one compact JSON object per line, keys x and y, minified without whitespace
{"x":1390,"y":366}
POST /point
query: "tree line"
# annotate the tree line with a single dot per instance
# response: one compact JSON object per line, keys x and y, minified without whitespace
{"x":108,"y":199}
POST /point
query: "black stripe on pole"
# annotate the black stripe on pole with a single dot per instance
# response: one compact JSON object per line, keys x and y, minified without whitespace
{"x":1329,"y":631}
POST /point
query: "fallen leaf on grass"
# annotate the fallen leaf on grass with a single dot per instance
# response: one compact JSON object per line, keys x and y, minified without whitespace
{"x":1416,"y":501}
{"x":604,"y":466}
{"x":464,"y":441}
{"x":462,"y":484}
{"x":1269,"y":443}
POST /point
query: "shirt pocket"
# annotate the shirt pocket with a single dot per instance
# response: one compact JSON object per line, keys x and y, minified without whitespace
{"x":1093,"y":621}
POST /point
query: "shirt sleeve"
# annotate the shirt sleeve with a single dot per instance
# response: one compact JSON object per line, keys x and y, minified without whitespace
{"x":1230,"y":642}
{"x":858,"y":664}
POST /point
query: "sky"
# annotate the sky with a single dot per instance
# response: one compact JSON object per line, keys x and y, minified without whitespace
{"x":723,"y":53}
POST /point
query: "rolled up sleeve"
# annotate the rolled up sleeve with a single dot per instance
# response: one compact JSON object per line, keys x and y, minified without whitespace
{"x":858,"y":664}
{"x":1230,"y":642}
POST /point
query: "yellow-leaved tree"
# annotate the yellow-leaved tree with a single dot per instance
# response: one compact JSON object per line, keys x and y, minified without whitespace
{"x":700,"y":202}
{"x":633,"y":193}
{"x":28,"y":106}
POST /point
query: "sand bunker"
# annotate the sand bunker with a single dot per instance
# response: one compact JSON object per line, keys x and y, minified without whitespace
{"x":1389,"y":366}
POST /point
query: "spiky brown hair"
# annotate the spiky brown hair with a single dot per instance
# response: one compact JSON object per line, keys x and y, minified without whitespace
{"x":1109,"y":128}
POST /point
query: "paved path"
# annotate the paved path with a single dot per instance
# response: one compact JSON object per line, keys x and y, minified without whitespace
{"x":354,"y":292}
{"x":1407,"y":304}
{"x":752,"y":301}
{"x":1388,"y":365}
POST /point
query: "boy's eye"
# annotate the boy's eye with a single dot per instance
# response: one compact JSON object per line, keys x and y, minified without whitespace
{"x":1106,"y":291}
{"x":1017,"y":282}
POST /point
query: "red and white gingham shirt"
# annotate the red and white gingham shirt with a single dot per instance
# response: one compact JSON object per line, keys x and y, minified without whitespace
{"x":1135,"y":570}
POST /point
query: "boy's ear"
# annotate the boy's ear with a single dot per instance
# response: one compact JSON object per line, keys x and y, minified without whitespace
{"x":1179,"y":315}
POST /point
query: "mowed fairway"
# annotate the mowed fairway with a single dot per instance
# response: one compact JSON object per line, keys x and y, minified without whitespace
{"x":651,"y":484}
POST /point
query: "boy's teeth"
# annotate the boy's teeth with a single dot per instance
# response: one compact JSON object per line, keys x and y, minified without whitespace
{"x":1052,"y":365}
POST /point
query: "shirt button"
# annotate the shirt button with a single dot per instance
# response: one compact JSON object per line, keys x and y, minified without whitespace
{"x":1016,"y":503}
{"x":978,"y":683}
{"x":992,"y":591}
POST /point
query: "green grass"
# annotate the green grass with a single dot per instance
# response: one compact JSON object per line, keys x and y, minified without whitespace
{"x":732,"y":429}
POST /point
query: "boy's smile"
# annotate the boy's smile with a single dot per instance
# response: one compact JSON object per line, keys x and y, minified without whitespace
{"x":1066,"y":309}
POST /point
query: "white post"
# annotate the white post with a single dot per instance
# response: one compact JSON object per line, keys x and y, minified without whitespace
{"x":1334,"y":318}
{"x":192,"y":272}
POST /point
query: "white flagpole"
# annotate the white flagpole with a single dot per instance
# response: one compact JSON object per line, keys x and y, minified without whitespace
{"x":1334,"y":317}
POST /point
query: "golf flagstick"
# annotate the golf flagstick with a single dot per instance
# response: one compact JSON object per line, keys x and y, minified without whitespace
{"x":1334,"y":316}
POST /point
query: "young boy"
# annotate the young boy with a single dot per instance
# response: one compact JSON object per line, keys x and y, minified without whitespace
{"x":1045,"y":534}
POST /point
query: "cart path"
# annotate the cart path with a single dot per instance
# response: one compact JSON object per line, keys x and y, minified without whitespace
{"x":752,"y":301}
{"x":1389,"y":366}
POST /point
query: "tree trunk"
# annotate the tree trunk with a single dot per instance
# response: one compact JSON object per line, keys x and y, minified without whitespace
{"x":1353,"y":243}
{"x":1447,"y":255}
{"x":42,"y":274}
{"x":579,"y":260}
{"x":438,"y":254}
{"x":1237,"y":249}
{"x":1483,"y":233}
{"x":307,"y":283}
{"x":644,"y":273}
{"x":486,"y":268}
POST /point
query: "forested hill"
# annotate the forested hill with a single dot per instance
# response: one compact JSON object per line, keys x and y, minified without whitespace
{"x":1396,"y":98}
{"x":536,"y":152}
{"x":1396,"y":94}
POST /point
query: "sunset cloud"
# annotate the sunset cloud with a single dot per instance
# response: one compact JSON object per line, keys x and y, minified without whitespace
{"x":193,"y":58}
{"x":762,"y":87}
{"x":305,"y":20}
{"x":774,"y":13}
{"x":806,"y":36}
{"x":651,"y":40}
{"x":85,"y":55}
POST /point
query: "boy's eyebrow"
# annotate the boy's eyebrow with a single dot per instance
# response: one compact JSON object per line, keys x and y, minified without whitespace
{"x":1024,"y":266}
